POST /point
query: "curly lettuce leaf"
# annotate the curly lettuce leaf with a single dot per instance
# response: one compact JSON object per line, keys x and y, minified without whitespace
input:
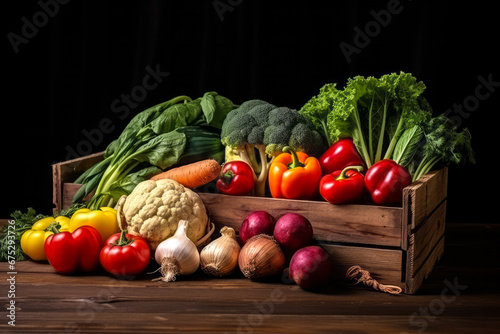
{"x":375,"y":112}
{"x":316,"y":110}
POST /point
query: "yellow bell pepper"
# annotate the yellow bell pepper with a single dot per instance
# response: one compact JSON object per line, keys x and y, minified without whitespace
{"x":33,"y":240}
{"x":103,"y":220}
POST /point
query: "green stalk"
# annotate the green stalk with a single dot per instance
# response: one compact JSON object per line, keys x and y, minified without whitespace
{"x":343,"y":176}
{"x":380,"y":145}
{"x":325,"y":130}
{"x":120,"y":171}
{"x":424,"y":167}
{"x":295,"y":159}
{"x":178,"y":99}
{"x":394,"y":140}
{"x":364,"y":150}
{"x":53,"y":227}
{"x":260,"y":186}
{"x":370,"y":131}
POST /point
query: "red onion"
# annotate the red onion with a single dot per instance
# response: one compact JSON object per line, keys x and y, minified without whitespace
{"x":293,"y":231}
{"x":257,"y":222}
{"x":310,"y":267}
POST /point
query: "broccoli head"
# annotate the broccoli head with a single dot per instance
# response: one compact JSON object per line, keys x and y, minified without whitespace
{"x":257,"y":131}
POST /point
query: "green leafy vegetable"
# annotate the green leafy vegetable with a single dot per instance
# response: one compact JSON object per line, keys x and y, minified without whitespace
{"x":408,"y":145}
{"x":151,"y":140}
{"x":375,"y":112}
{"x":316,"y":110}
{"x":388,"y":118}
{"x":23,"y":221}
{"x":442,"y":143}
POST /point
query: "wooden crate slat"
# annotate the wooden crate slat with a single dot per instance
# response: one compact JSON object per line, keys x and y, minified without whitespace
{"x":426,"y":237}
{"x":383,"y":264}
{"x":422,"y":196}
{"x":68,"y":171}
{"x":425,"y":248}
{"x":414,"y":283}
{"x":363,"y":224}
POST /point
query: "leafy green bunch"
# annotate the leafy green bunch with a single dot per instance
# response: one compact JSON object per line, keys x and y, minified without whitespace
{"x":177,"y":131}
{"x":387,"y":118}
{"x":424,"y":146}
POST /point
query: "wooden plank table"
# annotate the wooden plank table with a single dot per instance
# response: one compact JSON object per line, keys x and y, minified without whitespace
{"x":462,"y":295}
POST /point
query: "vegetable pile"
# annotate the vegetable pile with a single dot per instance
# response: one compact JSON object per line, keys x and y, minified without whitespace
{"x":361,"y":144}
{"x":388,"y":118}
{"x":178,"y":131}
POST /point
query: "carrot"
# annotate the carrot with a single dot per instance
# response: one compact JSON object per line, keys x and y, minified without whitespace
{"x":192,"y":175}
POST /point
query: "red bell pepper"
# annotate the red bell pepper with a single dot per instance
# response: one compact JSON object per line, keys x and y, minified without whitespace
{"x":385,"y":181}
{"x":71,"y":252}
{"x":343,"y":186}
{"x":125,"y":255}
{"x":339,"y":155}
{"x":236,"y":178}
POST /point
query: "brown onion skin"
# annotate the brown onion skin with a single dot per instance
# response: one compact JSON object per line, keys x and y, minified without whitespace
{"x":310,"y":268}
{"x":261,"y":257}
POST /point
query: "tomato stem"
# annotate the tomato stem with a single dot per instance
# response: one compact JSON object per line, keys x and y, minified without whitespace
{"x":123,"y":241}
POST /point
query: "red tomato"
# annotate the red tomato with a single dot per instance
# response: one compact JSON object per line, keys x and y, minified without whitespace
{"x":125,"y":255}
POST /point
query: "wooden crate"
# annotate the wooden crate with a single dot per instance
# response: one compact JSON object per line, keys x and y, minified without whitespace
{"x":397,"y":245}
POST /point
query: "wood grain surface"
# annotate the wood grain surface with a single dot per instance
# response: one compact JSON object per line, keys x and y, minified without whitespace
{"x":460,"y":295}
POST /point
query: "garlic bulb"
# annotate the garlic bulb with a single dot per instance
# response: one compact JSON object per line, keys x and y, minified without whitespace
{"x":177,"y":255}
{"x":261,"y":257}
{"x":220,"y":257}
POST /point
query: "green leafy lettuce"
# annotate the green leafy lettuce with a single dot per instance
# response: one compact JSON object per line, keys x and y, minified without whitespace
{"x":387,"y":118}
{"x":174,"y":131}
{"x":374,"y":112}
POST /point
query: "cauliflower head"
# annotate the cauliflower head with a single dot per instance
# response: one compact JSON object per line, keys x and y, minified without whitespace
{"x":154,"y":208}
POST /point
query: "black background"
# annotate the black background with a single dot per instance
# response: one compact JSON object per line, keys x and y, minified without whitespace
{"x":63,"y":79}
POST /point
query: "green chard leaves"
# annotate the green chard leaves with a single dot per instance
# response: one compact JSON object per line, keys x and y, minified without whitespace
{"x":388,"y":118}
{"x":150,"y":140}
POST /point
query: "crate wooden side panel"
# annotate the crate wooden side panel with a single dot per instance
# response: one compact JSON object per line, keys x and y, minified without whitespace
{"x":425,"y":248}
{"x":359,"y":224}
{"x":384,"y":265}
{"x":424,"y":195}
{"x":424,"y":216}
{"x":68,"y":171}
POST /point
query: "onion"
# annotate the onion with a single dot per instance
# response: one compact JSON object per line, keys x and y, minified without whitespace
{"x":257,"y":222}
{"x":310,"y":267}
{"x":293,"y":231}
{"x":261,"y":257}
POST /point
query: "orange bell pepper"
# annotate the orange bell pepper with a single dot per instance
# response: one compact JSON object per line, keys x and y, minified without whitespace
{"x":294,"y":175}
